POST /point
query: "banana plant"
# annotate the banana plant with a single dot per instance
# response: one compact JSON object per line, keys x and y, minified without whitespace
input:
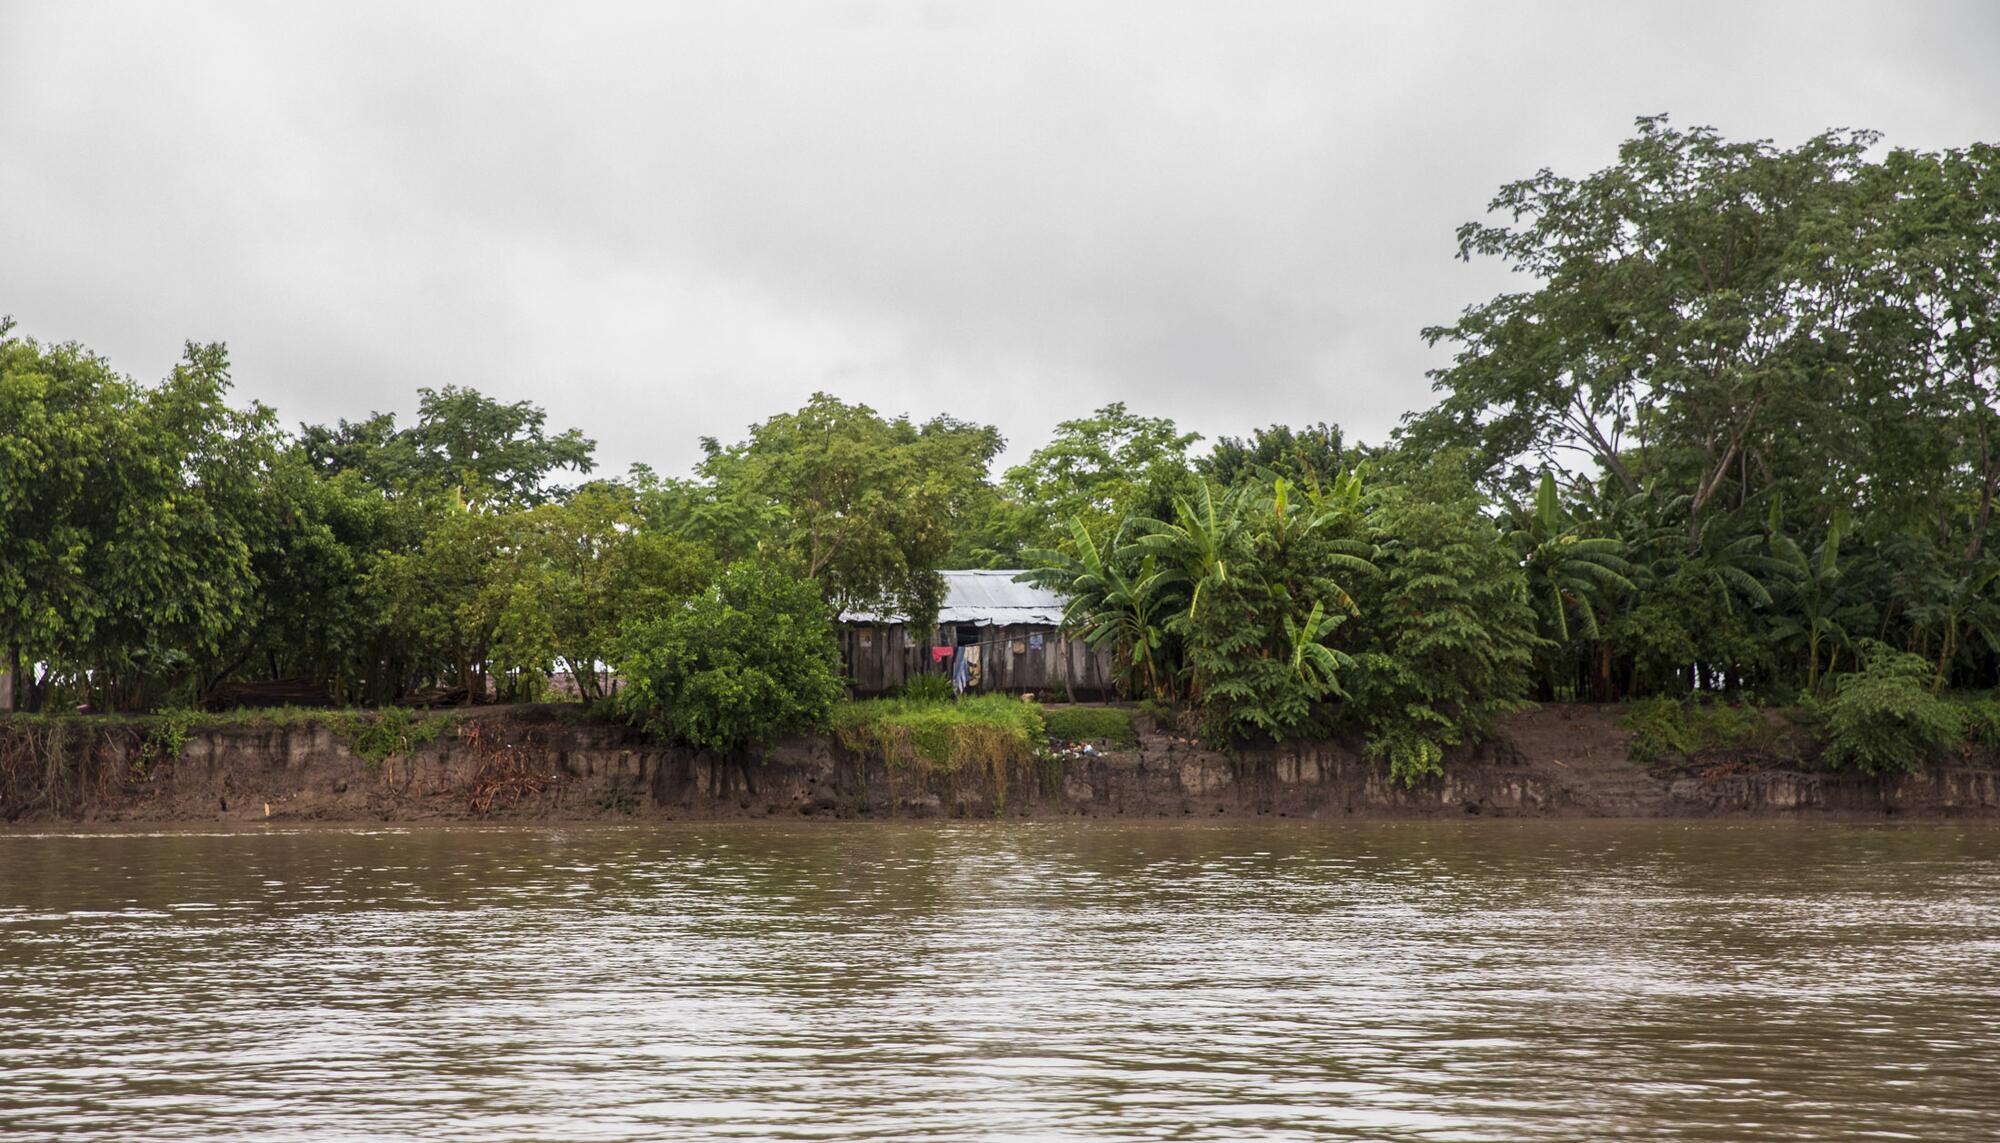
{"x":1318,"y":666}
{"x":1199,"y":545}
{"x":1112,"y":607}
{"x":1817,"y":597}
{"x":1569,"y":574}
{"x":1971,"y":610}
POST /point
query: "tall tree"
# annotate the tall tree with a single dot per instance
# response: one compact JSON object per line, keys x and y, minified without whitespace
{"x":863,"y":505}
{"x":1695,"y":317}
{"x":1099,"y":469}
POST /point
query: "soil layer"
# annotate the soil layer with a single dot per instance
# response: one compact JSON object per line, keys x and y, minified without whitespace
{"x":530,"y":762}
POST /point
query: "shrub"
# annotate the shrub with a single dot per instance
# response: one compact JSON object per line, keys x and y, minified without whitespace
{"x":1667,"y":727}
{"x":395,"y":730}
{"x":987,"y":730}
{"x":1979,"y":721}
{"x":1447,"y":630}
{"x":927,"y":688}
{"x":1108,"y":724}
{"x":1884,"y":718}
{"x":748,"y":660}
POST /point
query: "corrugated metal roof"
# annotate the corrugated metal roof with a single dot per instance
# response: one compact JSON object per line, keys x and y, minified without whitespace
{"x":984,"y":599}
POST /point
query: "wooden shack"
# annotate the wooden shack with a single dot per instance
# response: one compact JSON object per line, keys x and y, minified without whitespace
{"x":1015,"y":628}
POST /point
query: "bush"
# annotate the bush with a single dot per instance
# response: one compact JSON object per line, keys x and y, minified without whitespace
{"x":748,"y":660}
{"x":1979,"y":722}
{"x":1884,"y":718}
{"x":927,"y":688}
{"x":1447,"y":630}
{"x":1668,"y":727}
{"x":394,"y":731}
{"x":1107,"y":724}
{"x":987,"y":730}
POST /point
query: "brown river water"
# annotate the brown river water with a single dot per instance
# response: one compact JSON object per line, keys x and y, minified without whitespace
{"x":1481,"y":980}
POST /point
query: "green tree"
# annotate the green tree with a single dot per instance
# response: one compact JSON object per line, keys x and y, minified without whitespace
{"x":1114,"y":604}
{"x":1883,"y":718}
{"x":748,"y":660}
{"x":1314,"y":455}
{"x":461,"y":441}
{"x":1446,"y":635}
{"x":577,"y":574}
{"x":1099,"y":469}
{"x":1573,"y":579}
{"x":864,"y":506}
{"x":124,"y":519}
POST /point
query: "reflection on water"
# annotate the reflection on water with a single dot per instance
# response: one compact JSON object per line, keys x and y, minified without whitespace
{"x":1465,"y":981}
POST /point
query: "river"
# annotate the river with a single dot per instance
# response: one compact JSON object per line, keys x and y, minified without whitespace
{"x":1476,"y":980}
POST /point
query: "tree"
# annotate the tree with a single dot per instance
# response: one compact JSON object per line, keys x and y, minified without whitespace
{"x":864,"y":506}
{"x":1313,"y":455}
{"x":462,"y":441}
{"x":579,"y":573}
{"x":1882,"y":718}
{"x":1571,"y":575}
{"x":1694,"y":318}
{"x":442,"y":600}
{"x":1232,"y":605}
{"x":1114,"y":604}
{"x":747,"y":660}
{"x":1448,"y":637}
{"x":125,"y":518}
{"x":1098,"y":469}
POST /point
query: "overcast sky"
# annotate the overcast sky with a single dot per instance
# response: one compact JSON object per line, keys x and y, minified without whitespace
{"x":664,"y":222}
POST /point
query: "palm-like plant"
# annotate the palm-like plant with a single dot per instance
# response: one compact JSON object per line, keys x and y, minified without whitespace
{"x":1111,"y":606}
{"x":1198,"y":546}
{"x":1816,"y":600}
{"x":1970,"y":610}
{"x":1569,"y":574}
{"x":1318,"y":666}
{"x":1286,"y":536}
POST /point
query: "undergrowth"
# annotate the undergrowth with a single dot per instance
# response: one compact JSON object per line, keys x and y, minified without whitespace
{"x":1107,"y":724}
{"x":163,"y":735}
{"x":1979,"y":722}
{"x":1884,"y":718}
{"x":1668,"y":727}
{"x":985,"y":730}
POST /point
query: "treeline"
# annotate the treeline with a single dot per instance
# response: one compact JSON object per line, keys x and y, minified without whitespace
{"x":1739,"y":435}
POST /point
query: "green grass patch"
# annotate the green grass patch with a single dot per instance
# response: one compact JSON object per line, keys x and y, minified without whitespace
{"x":927,"y":688}
{"x":1666,"y":727}
{"x":1107,"y":724}
{"x":985,"y":730}
{"x":373,"y":735}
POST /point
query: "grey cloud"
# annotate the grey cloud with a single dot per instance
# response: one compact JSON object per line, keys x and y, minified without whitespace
{"x":663,"y":222}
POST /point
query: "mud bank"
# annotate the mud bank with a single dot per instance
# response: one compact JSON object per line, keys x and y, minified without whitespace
{"x":534,"y":763}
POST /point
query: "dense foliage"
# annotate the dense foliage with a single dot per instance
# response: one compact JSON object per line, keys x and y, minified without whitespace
{"x":745,"y":660}
{"x":1883,"y":716}
{"x":1737,"y":438}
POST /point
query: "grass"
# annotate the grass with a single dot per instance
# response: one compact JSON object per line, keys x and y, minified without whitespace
{"x":1107,"y":724}
{"x":373,"y":735}
{"x":985,"y":730}
{"x":1668,"y":727}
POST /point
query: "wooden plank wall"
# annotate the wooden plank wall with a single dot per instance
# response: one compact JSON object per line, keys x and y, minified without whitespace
{"x":879,"y":659}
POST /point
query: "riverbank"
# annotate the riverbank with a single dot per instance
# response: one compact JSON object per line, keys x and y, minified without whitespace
{"x":546,"y":763}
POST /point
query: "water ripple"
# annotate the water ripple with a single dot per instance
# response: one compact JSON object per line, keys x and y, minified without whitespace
{"x":1389,"y":981}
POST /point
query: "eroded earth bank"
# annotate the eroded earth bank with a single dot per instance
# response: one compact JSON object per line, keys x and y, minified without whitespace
{"x":530,"y":762}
